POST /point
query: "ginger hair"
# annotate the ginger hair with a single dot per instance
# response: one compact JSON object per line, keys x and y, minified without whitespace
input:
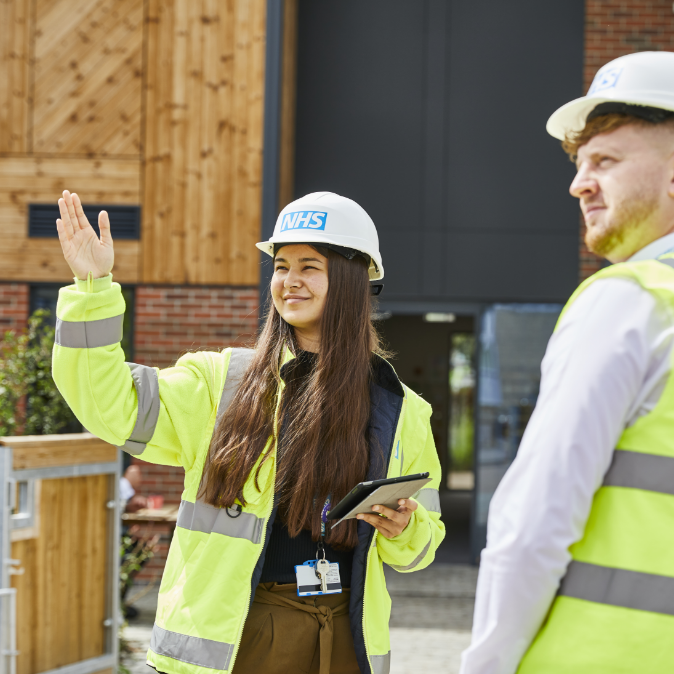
{"x":604,"y":124}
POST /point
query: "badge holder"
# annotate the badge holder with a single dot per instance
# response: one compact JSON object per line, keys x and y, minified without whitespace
{"x":318,"y":576}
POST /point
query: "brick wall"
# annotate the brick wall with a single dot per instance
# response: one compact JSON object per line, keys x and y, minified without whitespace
{"x":169,"y":321}
{"x":613,"y":29}
{"x":14,"y":299}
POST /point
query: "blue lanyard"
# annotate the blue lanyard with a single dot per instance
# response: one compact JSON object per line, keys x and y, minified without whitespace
{"x":324,"y":519}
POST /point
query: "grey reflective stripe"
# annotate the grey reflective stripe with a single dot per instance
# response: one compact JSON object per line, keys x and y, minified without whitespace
{"x":193,"y":650}
{"x":239,"y":361}
{"x":208,"y":519}
{"x":89,"y":334}
{"x":667,"y":260}
{"x":146,"y":381}
{"x":619,"y":587}
{"x":429,"y":498}
{"x":416,"y":562}
{"x":636,"y":470}
{"x":381,"y":664}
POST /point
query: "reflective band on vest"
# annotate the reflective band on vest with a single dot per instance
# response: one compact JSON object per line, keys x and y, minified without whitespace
{"x":637,"y":470}
{"x":89,"y":334}
{"x":381,"y":664}
{"x":619,"y":587}
{"x":430,"y":499}
{"x":208,"y":519}
{"x":239,"y":360}
{"x":418,"y":559}
{"x":193,"y":650}
{"x":146,"y":381}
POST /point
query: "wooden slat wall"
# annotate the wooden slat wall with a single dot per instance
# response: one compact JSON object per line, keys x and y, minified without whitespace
{"x":288,"y":98}
{"x":174,"y":85}
{"x":202,"y":197}
{"x":15,"y":46}
{"x":87,"y":77}
{"x":61,"y":594}
{"x":40,"y":180}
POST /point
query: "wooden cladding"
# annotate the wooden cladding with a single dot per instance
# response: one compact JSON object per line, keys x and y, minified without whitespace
{"x":168,"y":93}
{"x":25,"y":180}
{"x":87,"y":77}
{"x":202,"y":197}
{"x":64,"y":587}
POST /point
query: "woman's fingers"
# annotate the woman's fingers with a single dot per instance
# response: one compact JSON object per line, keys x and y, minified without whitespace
{"x":383,"y":526}
{"x":104,"y":228}
{"x":79,"y":212}
{"x":63,"y":238}
{"x":71,"y":210}
{"x":408,"y":503}
{"x":65,"y":219}
{"x":391,"y":514}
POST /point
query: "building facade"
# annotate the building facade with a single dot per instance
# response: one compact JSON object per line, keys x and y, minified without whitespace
{"x":194,"y":122}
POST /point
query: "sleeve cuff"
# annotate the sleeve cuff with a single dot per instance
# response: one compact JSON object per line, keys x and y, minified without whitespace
{"x":94,"y":285}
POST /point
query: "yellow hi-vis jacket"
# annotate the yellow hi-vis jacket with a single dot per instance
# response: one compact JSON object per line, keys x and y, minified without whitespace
{"x":615,"y":608}
{"x":216,"y":555}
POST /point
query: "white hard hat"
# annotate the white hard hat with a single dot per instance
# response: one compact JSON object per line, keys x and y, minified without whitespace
{"x":637,"y":80}
{"x":325,"y":218}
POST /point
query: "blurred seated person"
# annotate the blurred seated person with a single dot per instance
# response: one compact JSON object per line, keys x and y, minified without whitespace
{"x":129,"y":484}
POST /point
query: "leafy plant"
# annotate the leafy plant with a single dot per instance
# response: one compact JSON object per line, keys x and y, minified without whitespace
{"x":30,"y":402}
{"x":135,"y":552}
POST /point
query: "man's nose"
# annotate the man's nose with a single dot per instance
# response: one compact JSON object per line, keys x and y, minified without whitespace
{"x":584,"y":184}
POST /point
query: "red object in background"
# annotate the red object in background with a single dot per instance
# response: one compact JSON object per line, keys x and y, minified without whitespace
{"x":155,"y":502}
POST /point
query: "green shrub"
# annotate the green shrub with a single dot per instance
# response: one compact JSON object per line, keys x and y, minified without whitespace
{"x":25,"y":374}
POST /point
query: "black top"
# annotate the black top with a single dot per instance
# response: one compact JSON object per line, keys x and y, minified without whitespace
{"x":283,"y":552}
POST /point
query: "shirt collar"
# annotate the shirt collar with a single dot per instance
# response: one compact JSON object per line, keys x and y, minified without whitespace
{"x":664,"y":244}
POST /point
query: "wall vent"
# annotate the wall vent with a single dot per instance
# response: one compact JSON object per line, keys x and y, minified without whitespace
{"x":124,"y":220}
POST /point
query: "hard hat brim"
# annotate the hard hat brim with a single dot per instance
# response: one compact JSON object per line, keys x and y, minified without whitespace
{"x":572,"y":116}
{"x":375,"y":272}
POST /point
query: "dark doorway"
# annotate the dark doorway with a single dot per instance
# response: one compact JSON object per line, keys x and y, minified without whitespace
{"x":433,"y":354}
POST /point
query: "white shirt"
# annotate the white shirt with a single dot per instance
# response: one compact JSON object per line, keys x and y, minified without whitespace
{"x":604,"y":367}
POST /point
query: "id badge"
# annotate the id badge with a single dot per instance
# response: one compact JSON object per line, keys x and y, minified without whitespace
{"x":308,"y":583}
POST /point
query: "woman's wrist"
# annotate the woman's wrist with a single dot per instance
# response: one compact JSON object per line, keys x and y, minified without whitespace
{"x":93,"y":285}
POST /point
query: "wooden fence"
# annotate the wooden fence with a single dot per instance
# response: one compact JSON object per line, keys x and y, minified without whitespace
{"x":60,"y":526}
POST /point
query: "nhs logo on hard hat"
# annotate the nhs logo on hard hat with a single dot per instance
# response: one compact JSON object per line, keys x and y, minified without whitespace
{"x":304,"y":220}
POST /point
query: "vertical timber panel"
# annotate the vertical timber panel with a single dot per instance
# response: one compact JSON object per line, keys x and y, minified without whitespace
{"x":62,"y":592}
{"x":204,"y":103}
{"x":288,"y":104}
{"x":15,"y":61}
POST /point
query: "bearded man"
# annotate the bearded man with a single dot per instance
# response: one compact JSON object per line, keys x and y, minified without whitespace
{"x":578,"y":573}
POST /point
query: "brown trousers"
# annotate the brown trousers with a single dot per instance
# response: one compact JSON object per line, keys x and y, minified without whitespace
{"x":287,"y":634}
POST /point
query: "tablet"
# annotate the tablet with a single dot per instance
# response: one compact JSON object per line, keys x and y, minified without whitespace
{"x":377,"y":492}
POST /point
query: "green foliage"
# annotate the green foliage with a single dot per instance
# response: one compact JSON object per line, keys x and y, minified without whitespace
{"x":25,"y":370}
{"x":134,"y":553}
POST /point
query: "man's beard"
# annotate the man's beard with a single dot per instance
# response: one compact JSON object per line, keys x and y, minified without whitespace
{"x":628,"y":216}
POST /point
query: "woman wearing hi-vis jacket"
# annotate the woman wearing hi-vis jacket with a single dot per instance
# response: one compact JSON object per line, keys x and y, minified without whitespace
{"x":269,"y":438}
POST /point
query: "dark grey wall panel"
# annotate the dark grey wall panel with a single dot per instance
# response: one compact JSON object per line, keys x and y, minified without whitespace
{"x":431,"y":114}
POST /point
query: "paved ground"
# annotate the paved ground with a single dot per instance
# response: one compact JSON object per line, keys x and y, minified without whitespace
{"x":430,"y":620}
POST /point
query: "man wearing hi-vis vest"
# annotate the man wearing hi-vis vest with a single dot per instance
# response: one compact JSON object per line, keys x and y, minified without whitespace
{"x":578,"y":573}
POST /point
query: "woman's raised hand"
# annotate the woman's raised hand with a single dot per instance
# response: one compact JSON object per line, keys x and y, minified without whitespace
{"x":83,"y":250}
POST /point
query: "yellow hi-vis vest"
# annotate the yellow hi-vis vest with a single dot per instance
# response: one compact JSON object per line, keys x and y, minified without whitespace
{"x":615,"y":607}
{"x":216,"y":555}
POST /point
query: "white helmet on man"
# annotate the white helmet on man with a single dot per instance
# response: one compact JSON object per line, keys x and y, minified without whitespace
{"x":326,"y":219}
{"x":639,"y":84}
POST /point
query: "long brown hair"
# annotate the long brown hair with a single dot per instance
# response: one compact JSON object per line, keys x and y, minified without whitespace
{"x":323,"y":416}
